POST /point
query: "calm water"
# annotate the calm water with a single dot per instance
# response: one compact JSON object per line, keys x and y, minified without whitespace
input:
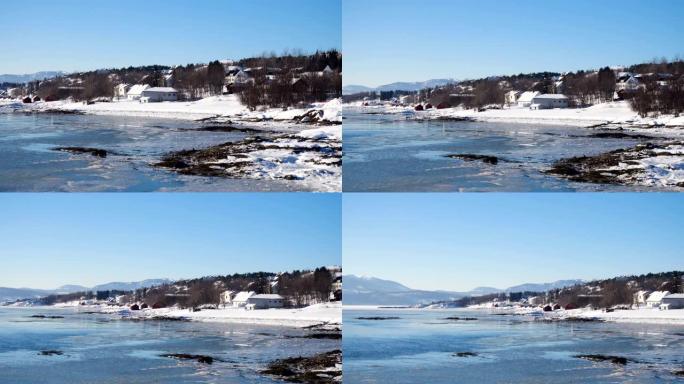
{"x":29,"y":163}
{"x":420,"y":348}
{"x":386,"y":153}
{"x":102,"y":349}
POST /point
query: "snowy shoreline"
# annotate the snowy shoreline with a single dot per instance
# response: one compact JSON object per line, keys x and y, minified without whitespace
{"x":640,"y":315}
{"x":610,"y":114}
{"x":324,"y":316}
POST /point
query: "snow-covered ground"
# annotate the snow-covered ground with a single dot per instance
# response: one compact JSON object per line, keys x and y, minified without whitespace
{"x":227,"y":106}
{"x":325,"y":314}
{"x":618,"y":112}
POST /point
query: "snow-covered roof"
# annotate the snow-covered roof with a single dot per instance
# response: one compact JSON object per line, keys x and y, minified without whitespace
{"x":267,"y":297}
{"x":551,"y":96}
{"x":138,"y":89}
{"x":527,"y":96}
{"x":243,"y":296}
{"x":674,"y":296}
{"x":161,"y":89}
{"x":657,"y":296}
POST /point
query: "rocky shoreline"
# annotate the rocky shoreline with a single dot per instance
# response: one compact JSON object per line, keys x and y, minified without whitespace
{"x":323,"y":368}
{"x":644,"y":164}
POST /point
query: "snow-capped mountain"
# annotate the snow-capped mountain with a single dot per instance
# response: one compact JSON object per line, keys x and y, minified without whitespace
{"x":25,"y":78}
{"x":12,"y":294}
{"x":398,"y":86}
{"x":373,"y":291}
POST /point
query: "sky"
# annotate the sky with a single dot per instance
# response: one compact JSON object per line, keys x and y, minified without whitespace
{"x":406,"y":40}
{"x":72,"y":35}
{"x":49,"y":240}
{"x":461,"y":241}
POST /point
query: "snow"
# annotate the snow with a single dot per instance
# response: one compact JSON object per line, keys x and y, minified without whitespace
{"x":618,"y":112}
{"x":641,"y":315}
{"x":313,"y":315}
{"x":228,"y":106}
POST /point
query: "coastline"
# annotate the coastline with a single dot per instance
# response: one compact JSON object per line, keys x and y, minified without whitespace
{"x":322,"y":316}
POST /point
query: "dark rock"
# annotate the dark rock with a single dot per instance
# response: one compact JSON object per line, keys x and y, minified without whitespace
{"x":323,"y":335}
{"x":465,"y":354}
{"x":619,"y":360}
{"x":46,"y":317}
{"x":678,"y":373}
{"x":51,"y":352}
{"x":621,"y":135}
{"x":461,"y":318}
{"x":184,"y":356}
{"x":81,"y":150}
{"x":315,"y":369}
{"x":379,"y":318}
{"x":472,"y":157}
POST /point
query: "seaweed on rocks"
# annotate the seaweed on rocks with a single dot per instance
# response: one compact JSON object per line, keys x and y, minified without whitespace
{"x":204,"y":359}
{"x":379,"y":318}
{"x":493,"y":160}
{"x":323,"y":368}
{"x":83,"y":150}
{"x":619,"y":360}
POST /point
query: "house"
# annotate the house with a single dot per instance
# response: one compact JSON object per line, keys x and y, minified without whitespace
{"x":135,"y":92}
{"x":640,"y":298}
{"x":655,"y":299}
{"x":121,"y":90}
{"x":227,"y":298}
{"x":511,"y":97}
{"x":627,"y":83}
{"x":407,"y":99}
{"x":241,"y":299}
{"x":549,"y":101}
{"x":156,"y":94}
{"x":673,"y":301}
{"x":525,"y":98}
{"x":265,"y":301}
{"x":535,"y":300}
{"x":238,"y":76}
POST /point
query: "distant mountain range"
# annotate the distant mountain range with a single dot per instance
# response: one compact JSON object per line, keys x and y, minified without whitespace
{"x":12,"y":294}
{"x":8,"y":78}
{"x":398,"y":86}
{"x":373,"y":291}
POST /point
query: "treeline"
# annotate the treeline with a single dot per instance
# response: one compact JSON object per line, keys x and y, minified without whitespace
{"x":290,"y":80}
{"x":604,"y":293}
{"x":655,"y":98}
{"x":297,"y":287}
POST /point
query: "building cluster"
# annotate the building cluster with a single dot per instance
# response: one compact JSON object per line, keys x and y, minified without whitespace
{"x":663,"y":300}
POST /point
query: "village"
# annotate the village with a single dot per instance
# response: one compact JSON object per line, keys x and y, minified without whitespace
{"x":300,"y":298}
{"x":644,"y":94}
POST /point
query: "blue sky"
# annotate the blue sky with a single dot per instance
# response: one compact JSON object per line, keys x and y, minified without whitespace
{"x":407,"y":40}
{"x":54,"y":239}
{"x":461,"y":241}
{"x":80,"y":35}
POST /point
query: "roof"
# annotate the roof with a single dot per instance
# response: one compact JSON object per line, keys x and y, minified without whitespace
{"x":243,"y":296}
{"x":528,"y":96}
{"x":551,"y":96}
{"x":267,"y":297}
{"x":138,"y":88}
{"x":161,"y":89}
{"x":679,"y":296}
{"x":657,"y":295}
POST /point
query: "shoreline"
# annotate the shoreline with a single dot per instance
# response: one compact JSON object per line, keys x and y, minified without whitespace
{"x":614,"y":115}
{"x":632,"y":316}
{"x":325,"y":316}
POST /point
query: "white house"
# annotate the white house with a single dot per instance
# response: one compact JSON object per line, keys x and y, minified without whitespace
{"x":655,"y":299}
{"x":238,"y":77}
{"x":511,"y":97}
{"x":242,"y":298}
{"x":673,"y":301}
{"x":549,"y":101}
{"x":121,"y":90}
{"x":265,"y":301}
{"x":640,"y":298}
{"x":227,"y":298}
{"x":135,"y":92}
{"x":156,"y":94}
{"x":525,"y":99}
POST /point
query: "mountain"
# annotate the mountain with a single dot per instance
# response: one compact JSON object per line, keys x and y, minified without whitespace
{"x":373,"y":291}
{"x":398,"y":86}
{"x":130,"y":286}
{"x":12,"y":294}
{"x":8,"y":78}
{"x":544,"y":287}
